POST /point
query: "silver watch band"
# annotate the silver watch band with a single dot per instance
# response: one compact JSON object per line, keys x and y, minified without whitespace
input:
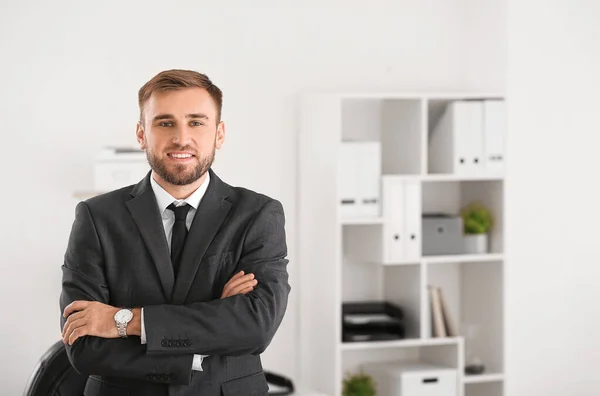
{"x":122,"y":329}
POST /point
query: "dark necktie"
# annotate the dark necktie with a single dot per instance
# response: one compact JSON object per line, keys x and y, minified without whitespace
{"x":179,"y":234}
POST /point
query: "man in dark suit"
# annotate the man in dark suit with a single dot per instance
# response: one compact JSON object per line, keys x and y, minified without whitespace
{"x":175,"y":285}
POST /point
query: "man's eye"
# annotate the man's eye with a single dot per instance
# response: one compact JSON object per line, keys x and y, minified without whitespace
{"x":196,"y":123}
{"x":166,"y":124}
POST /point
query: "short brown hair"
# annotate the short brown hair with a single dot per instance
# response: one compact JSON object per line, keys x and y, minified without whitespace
{"x":170,"y":80}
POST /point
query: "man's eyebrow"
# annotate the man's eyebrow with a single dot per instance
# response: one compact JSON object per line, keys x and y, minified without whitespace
{"x":171,"y":116}
{"x":163,"y":117}
{"x":197,"y":115}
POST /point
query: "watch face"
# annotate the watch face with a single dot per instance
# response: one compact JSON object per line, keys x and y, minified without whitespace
{"x":123,"y":316}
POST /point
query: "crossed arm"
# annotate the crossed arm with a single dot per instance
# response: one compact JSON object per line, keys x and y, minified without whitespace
{"x":93,"y":318}
{"x":247,"y":320}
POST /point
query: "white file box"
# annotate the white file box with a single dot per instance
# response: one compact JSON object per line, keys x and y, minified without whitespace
{"x":119,"y":167}
{"x":413,"y":379}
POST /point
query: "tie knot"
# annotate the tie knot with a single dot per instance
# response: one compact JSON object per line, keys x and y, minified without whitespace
{"x":180,"y":211}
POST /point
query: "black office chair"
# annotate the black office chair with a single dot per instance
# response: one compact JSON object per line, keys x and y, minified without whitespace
{"x":54,"y":375}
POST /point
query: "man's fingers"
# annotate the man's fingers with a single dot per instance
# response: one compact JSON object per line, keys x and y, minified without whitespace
{"x":78,"y":332}
{"x":247,"y":290}
{"x":241,"y":273}
{"x":75,"y":306}
{"x":233,"y":278}
{"x":71,"y":319}
{"x":246,"y":285}
{"x":233,"y":283}
{"x":67,"y":331}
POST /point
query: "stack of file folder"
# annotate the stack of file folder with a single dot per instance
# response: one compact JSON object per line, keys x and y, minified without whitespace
{"x":371,"y":321}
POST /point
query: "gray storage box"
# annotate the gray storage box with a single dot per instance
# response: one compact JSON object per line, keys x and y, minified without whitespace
{"x":442,"y":234}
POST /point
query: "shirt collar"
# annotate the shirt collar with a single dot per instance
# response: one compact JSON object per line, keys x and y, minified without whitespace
{"x":164,"y":199}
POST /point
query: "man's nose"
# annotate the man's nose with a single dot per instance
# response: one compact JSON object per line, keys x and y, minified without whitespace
{"x":181,"y":136}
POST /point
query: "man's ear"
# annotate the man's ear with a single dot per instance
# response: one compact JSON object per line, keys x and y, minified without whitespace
{"x":141,"y":135}
{"x":220,"y":138}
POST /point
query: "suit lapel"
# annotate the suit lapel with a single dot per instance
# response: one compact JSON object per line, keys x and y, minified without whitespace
{"x":144,"y":210}
{"x":207,"y":221}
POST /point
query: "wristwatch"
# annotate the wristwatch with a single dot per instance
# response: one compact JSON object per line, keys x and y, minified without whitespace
{"x":122,"y":318}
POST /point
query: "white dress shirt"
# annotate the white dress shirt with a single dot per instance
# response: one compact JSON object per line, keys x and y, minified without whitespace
{"x":164,"y":199}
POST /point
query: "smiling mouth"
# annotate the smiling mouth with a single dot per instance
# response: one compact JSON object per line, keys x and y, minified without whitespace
{"x":180,"y":156}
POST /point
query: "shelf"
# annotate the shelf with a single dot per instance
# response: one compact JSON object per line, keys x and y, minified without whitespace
{"x":404,"y":262}
{"x":362,"y":221}
{"x":407,"y":343}
{"x":458,"y":178}
{"x":450,"y":259}
{"x":444,"y":177}
{"x":372,"y":256}
{"x":463,"y":258}
{"x":482,"y":378}
{"x":425,"y":95}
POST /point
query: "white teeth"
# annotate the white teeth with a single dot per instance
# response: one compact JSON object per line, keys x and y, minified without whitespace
{"x":181,"y":155}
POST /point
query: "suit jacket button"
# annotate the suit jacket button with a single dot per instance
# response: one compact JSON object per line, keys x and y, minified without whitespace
{"x":164,"y":343}
{"x":171,"y":377}
{"x":179,"y":343}
{"x":163,"y":378}
{"x":187,"y":343}
{"x":171,"y":343}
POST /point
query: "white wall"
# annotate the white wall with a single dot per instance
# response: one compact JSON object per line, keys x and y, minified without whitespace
{"x":553,"y":195}
{"x":70,"y":74}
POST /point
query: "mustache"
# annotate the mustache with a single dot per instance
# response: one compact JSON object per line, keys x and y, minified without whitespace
{"x":181,"y":148}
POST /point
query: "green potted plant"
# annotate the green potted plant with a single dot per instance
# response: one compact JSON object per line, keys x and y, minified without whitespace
{"x":358,"y":384}
{"x":477,"y":222}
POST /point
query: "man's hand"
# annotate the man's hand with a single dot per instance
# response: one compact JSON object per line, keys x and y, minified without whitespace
{"x":89,"y":318}
{"x":239,"y":284}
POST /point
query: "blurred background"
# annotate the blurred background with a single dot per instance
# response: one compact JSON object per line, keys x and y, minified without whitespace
{"x":70,"y":72}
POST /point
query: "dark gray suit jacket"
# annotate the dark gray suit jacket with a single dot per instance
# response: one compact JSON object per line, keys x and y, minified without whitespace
{"x":118,"y":254}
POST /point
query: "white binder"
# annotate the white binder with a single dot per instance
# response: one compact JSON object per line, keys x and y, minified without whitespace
{"x":494,"y":135}
{"x":402,"y":226}
{"x":369,"y":178}
{"x":347,"y":186}
{"x":394,"y":214}
{"x":413,"y":214}
{"x":456,"y":142}
{"x":359,"y":173}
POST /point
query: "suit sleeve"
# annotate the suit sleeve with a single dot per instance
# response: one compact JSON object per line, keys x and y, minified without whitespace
{"x":237,"y":325}
{"x":83,"y":278}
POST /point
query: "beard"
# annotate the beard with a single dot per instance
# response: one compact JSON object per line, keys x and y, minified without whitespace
{"x":180,"y":175}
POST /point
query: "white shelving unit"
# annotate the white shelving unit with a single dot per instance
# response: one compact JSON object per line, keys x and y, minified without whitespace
{"x":347,"y":260}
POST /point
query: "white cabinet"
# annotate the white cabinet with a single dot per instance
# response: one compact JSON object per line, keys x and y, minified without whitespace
{"x":370,"y":166}
{"x":402,"y":224}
